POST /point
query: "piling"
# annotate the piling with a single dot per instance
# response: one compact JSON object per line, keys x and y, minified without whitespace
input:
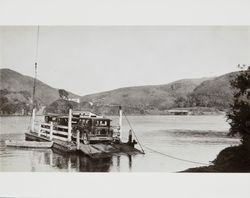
{"x":78,"y":140}
{"x":130,"y":137}
{"x":33,"y":120}
{"x":51,"y":131}
{"x":120,"y":121}
{"x":39,"y":130}
{"x":70,"y":125}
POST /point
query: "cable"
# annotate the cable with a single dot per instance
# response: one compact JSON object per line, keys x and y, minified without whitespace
{"x":164,"y":154}
{"x":134,"y":134}
{"x":176,"y":158}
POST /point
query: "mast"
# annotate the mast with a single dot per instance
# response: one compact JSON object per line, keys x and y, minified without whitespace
{"x":34,"y":85}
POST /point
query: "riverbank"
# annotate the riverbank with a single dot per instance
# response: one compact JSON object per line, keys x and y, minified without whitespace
{"x":230,"y":159}
{"x":189,"y":111}
{"x":177,"y":111}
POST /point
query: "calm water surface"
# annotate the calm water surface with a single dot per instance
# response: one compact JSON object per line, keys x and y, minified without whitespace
{"x":197,"y":138}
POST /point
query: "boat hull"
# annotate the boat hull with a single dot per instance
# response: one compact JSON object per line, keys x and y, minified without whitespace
{"x":29,"y":144}
{"x":91,"y":150}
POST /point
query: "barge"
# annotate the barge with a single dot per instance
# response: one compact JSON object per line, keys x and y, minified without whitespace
{"x":81,"y":132}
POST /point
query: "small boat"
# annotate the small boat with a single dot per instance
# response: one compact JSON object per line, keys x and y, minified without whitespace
{"x":28,"y":144}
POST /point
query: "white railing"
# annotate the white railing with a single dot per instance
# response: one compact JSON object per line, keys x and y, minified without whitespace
{"x":52,"y":131}
{"x":60,"y":132}
{"x":61,"y":127}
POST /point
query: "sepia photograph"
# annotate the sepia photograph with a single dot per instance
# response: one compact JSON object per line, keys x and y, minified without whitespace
{"x":172,"y":99}
{"x":135,"y":98}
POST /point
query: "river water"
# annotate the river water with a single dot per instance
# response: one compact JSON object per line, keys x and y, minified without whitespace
{"x":193,"y":138}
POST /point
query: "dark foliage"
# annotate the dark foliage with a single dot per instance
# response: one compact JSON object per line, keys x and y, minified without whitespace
{"x":63,"y":94}
{"x":3,"y":92}
{"x":61,"y":106}
{"x":239,"y":113}
{"x":231,"y":159}
{"x":17,"y":106}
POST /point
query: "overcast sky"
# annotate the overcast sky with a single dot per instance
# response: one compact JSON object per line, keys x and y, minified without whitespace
{"x":86,"y":59}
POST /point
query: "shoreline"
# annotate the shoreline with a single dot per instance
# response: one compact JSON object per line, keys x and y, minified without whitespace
{"x":233,"y":159}
{"x":135,"y":114}
{"x":130,"y":115}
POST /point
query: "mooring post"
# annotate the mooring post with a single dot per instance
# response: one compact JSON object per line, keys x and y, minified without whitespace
{"x":33,"y":120}
{"x":51,"y":159}
{"x":39,"y":130}
{"x":70,"y":125}
{"x":120,"y":121}
{"x":78,"y":140}
{"x":69,"y":164}
{"x":130,"y":137}
{"x":51,"y":131}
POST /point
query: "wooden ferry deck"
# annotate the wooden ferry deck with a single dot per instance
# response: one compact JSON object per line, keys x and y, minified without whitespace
{"x":60,"y":134}
{"x":91,"y":150}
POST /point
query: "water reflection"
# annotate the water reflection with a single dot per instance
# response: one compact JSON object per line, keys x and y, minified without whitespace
{"x":77,"y":162}
{"x":130,"y":162}
{"x":50,"y":160}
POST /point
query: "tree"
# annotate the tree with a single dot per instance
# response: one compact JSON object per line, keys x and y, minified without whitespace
{"x":63,"y":94}
{"x":239,"y":113}
{"x":180,"y":102}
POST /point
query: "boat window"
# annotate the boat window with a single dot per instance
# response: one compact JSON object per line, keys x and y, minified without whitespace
{"x":101,"y":123}
{"x":86,"y":122}
{"x":63,"y":121}
{"x":49,"y":119}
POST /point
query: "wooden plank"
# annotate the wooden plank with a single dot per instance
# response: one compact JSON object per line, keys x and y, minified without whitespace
{"x":62,"y":127}
{"x":105,"y":148}
{"x":45,"y":129}
{"x":60,"y":132}
{"x":60,"y":138}
{"x":88,"y":149}
{"x":29,"y":144}
{"x":46,"y":124}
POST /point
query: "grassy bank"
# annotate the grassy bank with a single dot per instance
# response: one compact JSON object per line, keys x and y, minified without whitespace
{"x":231,"y":159}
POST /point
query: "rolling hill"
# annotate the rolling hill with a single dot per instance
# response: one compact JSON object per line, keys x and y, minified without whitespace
{"x":213,"y":93}
{"x":16,"y":82}
{"x":142,"y":99}
{"x":16,"y":91}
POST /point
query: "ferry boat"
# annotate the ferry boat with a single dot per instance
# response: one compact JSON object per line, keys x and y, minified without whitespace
{"x":82,"y":131}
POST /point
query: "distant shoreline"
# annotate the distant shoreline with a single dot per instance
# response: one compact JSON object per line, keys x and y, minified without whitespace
{"x":217,"y":114}
{"x":187,"y":111}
